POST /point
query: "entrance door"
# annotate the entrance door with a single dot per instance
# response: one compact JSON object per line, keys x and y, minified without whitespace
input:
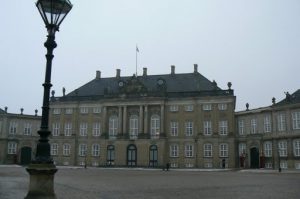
{"x":25,"y":155}
{"x":254,"y":155}
{"x":131,"y":155}
{"x":153,"y":156}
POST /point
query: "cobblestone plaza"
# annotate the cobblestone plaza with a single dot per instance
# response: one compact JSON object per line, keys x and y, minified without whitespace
{"x":102,"y":183}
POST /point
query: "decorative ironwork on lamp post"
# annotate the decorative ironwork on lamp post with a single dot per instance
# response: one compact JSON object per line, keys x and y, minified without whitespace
{"x":42,"y":169}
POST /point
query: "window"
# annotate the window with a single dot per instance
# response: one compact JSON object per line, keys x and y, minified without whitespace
{"x":155,"y":126}
{"x":82,"y":149}
{"x":97,"y":110}
{"x":69,"y":111}
{"x":55,"y":129}
{"x":223,"y":150}
{"x":241,"y":127}
{"x":189,"y":108}
{"x":96,"y":129}
{"x":207,"y":128}
{"x":268,"y":149}
{"x":54,"y":149}
{"x":267,"y":124}
{"x":95,"y":150}
{"x":56,"y":111}
{"x":297,"y":148}
{"x":283,"y":164}
{"x":282,"y":148}
{"x":84,"y":110}
{"x":174,"y":150}
{"x":12,"y":148}
{"x":68,"y":129}
{"x":133,"y":126}
{"x":242,"y":149}
{"x":66,"y":149}
{"x":27,"y":129}
{"x":12,"y":128}
{"x":281,"y":122}
{"x":223,"y":127}
{"x":268,"y":165}
{"x":189,"y":150}
{"x":113,"y":127}
{"x":207,"y":150}
{"x":83,"y":129}
{"x":110,"y":155}
{"x":253,"y":129}
{"x":296,"y":120}
{"x":174,"y":128}
{"x":189,"y":128}
{"x":222,"y":107}
{"x":174,"y":108}
{"x":206,"y":107}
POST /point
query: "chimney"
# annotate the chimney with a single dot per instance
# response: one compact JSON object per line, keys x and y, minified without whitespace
{"x":118,"y":73}
{"x":195,"y":68}
{"x":172,"y":69}
{"x":247,"y":106}
{"x":273,"y":100}
{"x":98,"y":74}
{"x":64,"y":91}
{"x":36,"y":111}
{"x":144,"y":71}
{"x":22,"y":111}
{"x":5,"y":108}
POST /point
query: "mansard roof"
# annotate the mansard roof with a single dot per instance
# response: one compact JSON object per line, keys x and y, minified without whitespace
{"x":290,"y":98}
{"x":149,"y":85}
{"x":2,"y":111}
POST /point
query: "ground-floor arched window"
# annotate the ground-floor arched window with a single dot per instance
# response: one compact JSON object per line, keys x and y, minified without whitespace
{"x":131,"y":155}
{"x":153,"y":156}
{"x":110,"y":158}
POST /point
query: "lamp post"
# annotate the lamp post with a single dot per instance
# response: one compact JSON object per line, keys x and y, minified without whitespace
{"x":42,"y":169}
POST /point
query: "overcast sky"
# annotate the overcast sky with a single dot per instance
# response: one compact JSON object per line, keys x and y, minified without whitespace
{"x":254,"y":44}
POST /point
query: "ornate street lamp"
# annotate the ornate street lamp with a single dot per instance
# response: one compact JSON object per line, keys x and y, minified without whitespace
{"x":42,"y":169}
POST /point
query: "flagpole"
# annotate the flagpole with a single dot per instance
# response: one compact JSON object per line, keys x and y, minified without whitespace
{"x":136,"y":51}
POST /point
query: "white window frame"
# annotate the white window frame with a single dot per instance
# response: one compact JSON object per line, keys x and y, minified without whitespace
{"x":296,"y":120}
{"x":27,"y":128}
{"x":96,"y":150}
{"x":113,"y":126}
{"x":174,"y":150}
{"x":55,"y":129}
{"x":207,"y":127}
{"x":189,"y":107}
{"x":68,"y":129}
{"x":155,"y":126}
{"x":83,"y":129}
{"x":242,"y":149}
{"x":12,"y":147}
{"x":207,"y":150}
{"x":96,"y":129}
{"x":66,"y":149}
{"x":281,"y":122}
{"x":207,"y":107}
{"x":97,"y":110}
{"x":268,"y":149}
{"x":253,"y":126}
{"x":69,"y":111}
{"x":223,"y":127}
{"x":189,"y":150}
{"x":174,"y":128}
{"x":133,"y":126}
{"x":173,"y":108}
{"x":296,"y":148}
{"x":222,"y":106}
{"x":13,"y":128}
{"x":84,"y":110}
{"x":189,"y":128}
{"x":54,"y":149}
{"x":282,"y":148}
{"x":241,"y":125}
{"x":223,"y":150}
{"x":82,"y":150}
{"x":56,"y":111}
{"x":267,"y":124}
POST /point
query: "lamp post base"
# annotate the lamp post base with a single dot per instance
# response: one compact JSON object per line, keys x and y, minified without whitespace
{"x":41,"y":183}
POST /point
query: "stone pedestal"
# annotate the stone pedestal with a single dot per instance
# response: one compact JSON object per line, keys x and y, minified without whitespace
{"x":41,"y":181}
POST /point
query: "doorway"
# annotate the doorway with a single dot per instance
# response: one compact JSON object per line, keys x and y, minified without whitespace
{"x":131,"y":155}
{"x":25,"y":155}
{"x":254,"y":158}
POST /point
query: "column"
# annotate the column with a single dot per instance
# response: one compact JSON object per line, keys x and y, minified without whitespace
{"x":146,"y":119}
{"x":141,"y":120}
{"x":104,"y":121}
{"x":124,"y":119}
{"x":120,"y":120}
{"x":162,"y":118}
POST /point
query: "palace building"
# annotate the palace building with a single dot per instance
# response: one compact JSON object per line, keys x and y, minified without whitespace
{"x":148,"y":121}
